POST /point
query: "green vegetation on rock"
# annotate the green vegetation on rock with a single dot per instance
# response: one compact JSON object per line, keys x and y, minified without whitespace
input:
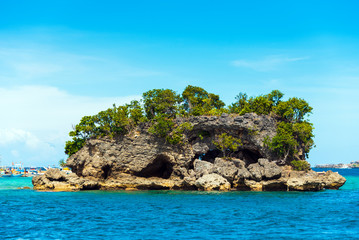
{"x":300,"y":165}
{"x":160,"y":108}
{"x":198,"y":101}
{"x":227,"y":143}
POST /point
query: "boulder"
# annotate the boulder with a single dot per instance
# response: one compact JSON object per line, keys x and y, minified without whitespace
{"x":213,"y":181}
{"x":200,"y":148}
{"x":225,"y":168}
{"x":54,"y":174}
{"x":304,"y":181}
{"x":333,"y":180}
{"x":202,"y":167}
{"x":256,"y":171}
{"x":270,"y":169}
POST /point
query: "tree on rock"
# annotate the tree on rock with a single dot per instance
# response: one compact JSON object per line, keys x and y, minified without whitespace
{"x":198,"y":101}
{"x":161,"y":101}
{"x":227,"y":143}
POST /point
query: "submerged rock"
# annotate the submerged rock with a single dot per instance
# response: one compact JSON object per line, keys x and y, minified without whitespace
{"x":139,"y":161}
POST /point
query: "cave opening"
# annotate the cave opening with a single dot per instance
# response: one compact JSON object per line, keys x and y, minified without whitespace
{"x":106,"y":171}
{"x":210,"y":155}
{"x":160,"y":167}
{"x":248,"y":156}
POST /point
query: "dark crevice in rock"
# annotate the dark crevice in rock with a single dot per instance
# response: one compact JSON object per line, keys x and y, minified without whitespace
{"x":210,"y":155}
{"x":248,"y":156}
{"x":199,"y":136}
{"x":107,"y":170}
{"x":91,"y":187}
{"x":160,"y":167}
{"x":153,"y":187}
{"x":78,"y":168}
{"x":275,"y":187}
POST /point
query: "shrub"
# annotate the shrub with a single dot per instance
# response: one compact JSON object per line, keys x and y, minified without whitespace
{"x":227,"y":143}
{"x":300,"y":165}
{"x":177,"y":135}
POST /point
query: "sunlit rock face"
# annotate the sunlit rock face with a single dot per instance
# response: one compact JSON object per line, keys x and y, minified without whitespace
{"x":140,"y":161}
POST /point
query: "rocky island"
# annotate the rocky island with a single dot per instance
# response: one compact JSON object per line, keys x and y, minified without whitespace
{"x":192,"y":142}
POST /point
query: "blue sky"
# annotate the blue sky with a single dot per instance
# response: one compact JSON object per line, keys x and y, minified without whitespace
{"x":61,"y":60}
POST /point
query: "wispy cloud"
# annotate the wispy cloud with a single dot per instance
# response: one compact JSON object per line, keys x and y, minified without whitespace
{"x":21,"y":65}
{"x":268,"y":63}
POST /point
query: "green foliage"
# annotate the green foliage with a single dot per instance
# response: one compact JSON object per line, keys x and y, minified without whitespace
{"x":293,"y":132}
{"x":62,"y":163}
{"x":162,"y":106}
{"x":85,"y":129}
{"x":136,"y":112}
{"x":177,"y":135}
{"x":300,"y":165}
{"x":161,"y":102}
{"x":262,"y":105}
{"x":72,"y":147}
{"x":198,"y":101}
{"x":161,"y":126}
{"x":293,"y":110}
{"x":240,"y":104}
{"x":284,"y":143}
{"x":227,"y":143}
{"x":111,"y":122}
{"x":275,"y":97}
{"x":303,"y":134}
{"x":290,"y":137}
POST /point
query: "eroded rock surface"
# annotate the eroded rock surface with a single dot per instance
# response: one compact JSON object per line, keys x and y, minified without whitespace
{"x":140,"y":161}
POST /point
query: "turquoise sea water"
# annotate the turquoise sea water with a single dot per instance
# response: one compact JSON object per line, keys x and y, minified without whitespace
{"x":330,"y":214}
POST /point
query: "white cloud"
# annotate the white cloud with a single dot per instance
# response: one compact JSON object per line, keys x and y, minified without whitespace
{"x":9,"y":136}
{"x":36,"y":120}
{"x":43,"y":108}
{"x":266,"y":64}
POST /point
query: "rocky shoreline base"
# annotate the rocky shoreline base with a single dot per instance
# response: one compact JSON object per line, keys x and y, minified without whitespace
{"x":222,"y":175}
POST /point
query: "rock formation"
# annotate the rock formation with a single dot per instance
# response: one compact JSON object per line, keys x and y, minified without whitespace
{"x":141,"y":161}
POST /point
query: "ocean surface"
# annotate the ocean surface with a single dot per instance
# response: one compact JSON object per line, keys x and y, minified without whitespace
{"x":329,"y":214}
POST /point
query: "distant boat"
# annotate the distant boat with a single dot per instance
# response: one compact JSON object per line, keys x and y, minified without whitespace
{"x":17,"y":175}
{"x":6,"y":175}
{"x":12,"y":175}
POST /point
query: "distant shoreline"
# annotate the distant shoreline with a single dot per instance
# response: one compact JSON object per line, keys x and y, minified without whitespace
{"x":339,"y":165}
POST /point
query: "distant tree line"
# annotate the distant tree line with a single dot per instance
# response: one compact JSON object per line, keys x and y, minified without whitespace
{"x":160,"y":107}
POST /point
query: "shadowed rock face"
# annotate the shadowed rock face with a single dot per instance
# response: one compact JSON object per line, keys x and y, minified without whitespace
{"x":140,"y":160}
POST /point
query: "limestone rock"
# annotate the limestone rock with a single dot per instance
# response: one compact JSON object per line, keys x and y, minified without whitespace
{"x":140,"y":160}
{"x":55,"y":174}
{"x":270,"y":169}
{"x":254,"y":185}
{"x":202,"y":167}
{"x":225,"y":168}
{"x":200,"y":148}
{"x":333,"y":180}
{"x":213,"y":181}
{"x":304,"y":181}
{"x":256,"y":171}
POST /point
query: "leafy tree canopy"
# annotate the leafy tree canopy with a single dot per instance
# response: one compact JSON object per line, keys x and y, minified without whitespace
{"x":198,"y":101}
{"x":161,"y":101}
{"x":159,"y":108}
{"x":227,"y":143}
